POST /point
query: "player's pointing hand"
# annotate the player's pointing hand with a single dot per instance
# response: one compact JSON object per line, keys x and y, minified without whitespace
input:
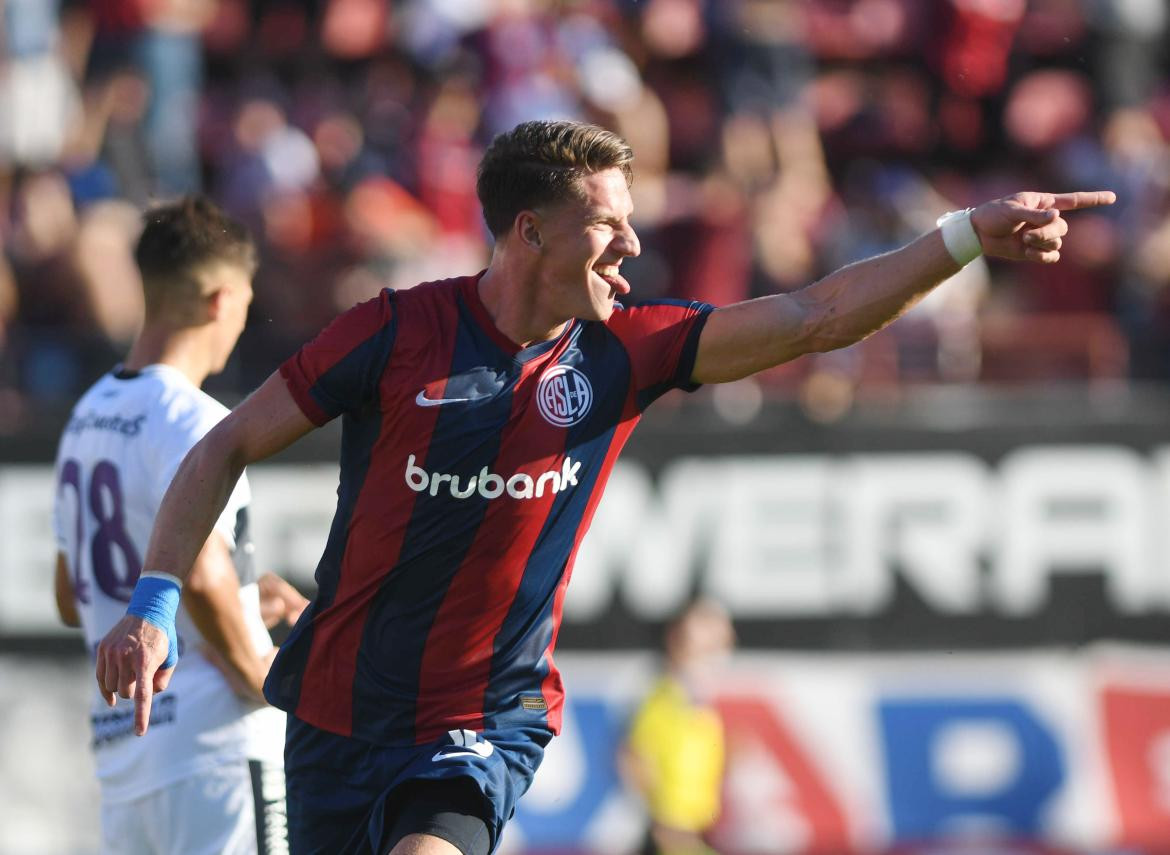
{"x":129,"y":665}
{"x":137,"y":656}
{"x":1029,"y":226}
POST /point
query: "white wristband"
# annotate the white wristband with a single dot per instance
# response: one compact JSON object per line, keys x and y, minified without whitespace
{"x":959,"y":236}
{"x":166,"y":577}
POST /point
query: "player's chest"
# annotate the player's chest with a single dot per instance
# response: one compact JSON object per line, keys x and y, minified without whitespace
{"x":468,"y":401}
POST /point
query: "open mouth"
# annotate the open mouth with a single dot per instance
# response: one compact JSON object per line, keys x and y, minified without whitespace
{"x":609,"y":274}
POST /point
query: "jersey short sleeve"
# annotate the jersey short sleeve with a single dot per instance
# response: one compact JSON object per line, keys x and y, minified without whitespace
{"x":662,"y":339}
{"x":339,"y":371}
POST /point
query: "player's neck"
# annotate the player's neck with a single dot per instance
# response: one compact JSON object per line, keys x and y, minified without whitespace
{"x":512,"y":298}
{"x":184,"y":350}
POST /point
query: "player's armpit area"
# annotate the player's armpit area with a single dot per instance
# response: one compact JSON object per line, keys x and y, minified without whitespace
{"x":267,"y":421}
{"x":63,"y":588}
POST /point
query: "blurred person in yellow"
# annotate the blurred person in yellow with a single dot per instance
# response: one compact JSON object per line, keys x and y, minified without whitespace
{"x":674,"y":756}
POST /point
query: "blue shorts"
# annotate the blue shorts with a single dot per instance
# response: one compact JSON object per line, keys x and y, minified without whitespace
{"x":338,"y":786}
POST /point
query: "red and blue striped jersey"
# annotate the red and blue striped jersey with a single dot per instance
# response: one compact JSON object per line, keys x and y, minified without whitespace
{"x":470,"y":469}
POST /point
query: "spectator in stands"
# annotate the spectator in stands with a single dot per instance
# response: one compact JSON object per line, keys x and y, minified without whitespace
{"x":59,"y":322}
{"x":159,"y":40}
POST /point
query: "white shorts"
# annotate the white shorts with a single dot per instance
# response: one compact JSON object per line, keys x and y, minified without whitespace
{"x":211,"y":813}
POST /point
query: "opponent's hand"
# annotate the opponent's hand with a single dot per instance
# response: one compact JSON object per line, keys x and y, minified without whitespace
{"x":1029,"y":226}
{"x":129,"y":661}
{"x":279,"y":600}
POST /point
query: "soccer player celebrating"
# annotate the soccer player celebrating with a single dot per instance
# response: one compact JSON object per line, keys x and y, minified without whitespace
{"x":209,"y":777}
{"x":481,"y":418}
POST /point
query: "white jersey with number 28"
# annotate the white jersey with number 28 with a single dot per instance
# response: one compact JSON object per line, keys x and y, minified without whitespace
{"x":121,"y":448}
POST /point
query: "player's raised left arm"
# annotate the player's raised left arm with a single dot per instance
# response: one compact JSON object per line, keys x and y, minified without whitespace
{"x":860,"y":299}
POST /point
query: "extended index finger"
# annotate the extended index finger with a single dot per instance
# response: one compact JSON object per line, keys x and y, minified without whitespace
{"x":1083,"y":199}
{"x":143,"y":693}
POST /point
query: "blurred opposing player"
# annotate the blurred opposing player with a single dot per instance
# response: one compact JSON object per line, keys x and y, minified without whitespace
{"x":209,"y":779}
{"x":481,"y":419}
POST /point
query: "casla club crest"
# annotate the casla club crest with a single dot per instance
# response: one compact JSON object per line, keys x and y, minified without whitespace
{"x":564,"y":395}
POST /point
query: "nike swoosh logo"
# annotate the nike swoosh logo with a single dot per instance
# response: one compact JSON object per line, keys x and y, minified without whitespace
{"x":442,"y":755}
{"x":423,"y":401}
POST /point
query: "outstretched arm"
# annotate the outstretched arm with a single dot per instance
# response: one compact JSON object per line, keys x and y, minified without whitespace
{"x":860,"y":299}
{"x":131,"y":656}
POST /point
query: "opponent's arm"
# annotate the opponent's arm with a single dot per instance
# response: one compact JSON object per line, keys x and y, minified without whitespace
{"x":862,"y":298}
{"x":131,"y":657}
{"x":212,"y":598}
{"x":63,"y":589}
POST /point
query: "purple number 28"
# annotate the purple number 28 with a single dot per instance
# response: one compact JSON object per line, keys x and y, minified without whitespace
{"x":107,"y":512}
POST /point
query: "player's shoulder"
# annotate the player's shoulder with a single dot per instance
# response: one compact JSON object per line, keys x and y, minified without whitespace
{"x":655,"y":312}
{"x":659,"y":304}
{"x":435,"y":293}
{"x":101,"y":389}
{"x":436,"y":289}
{"x":177,"y":403}
{"x":380,"y":315}
{"x":366,"y":317}
{"x":84,"y":409}
{"x":154,"y":407}
{"x":109,"y":397}
{"x":431,"y":310}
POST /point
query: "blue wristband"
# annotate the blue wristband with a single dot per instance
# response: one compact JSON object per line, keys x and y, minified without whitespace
{"x":156,"y":601}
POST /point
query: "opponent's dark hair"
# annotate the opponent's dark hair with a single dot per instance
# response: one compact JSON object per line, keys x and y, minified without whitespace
{"x":541,"y":163}
{"x":181,"y":237}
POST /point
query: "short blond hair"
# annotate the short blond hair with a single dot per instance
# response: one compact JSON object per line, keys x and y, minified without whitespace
{"x":541,"y":163}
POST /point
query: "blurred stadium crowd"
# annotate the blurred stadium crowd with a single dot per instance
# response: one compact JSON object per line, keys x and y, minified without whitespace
{"x":776,"y":140}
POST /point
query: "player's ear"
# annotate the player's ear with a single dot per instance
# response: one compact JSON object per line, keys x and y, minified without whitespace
{"x":213,"y":303}
{"x":527,"y":229}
